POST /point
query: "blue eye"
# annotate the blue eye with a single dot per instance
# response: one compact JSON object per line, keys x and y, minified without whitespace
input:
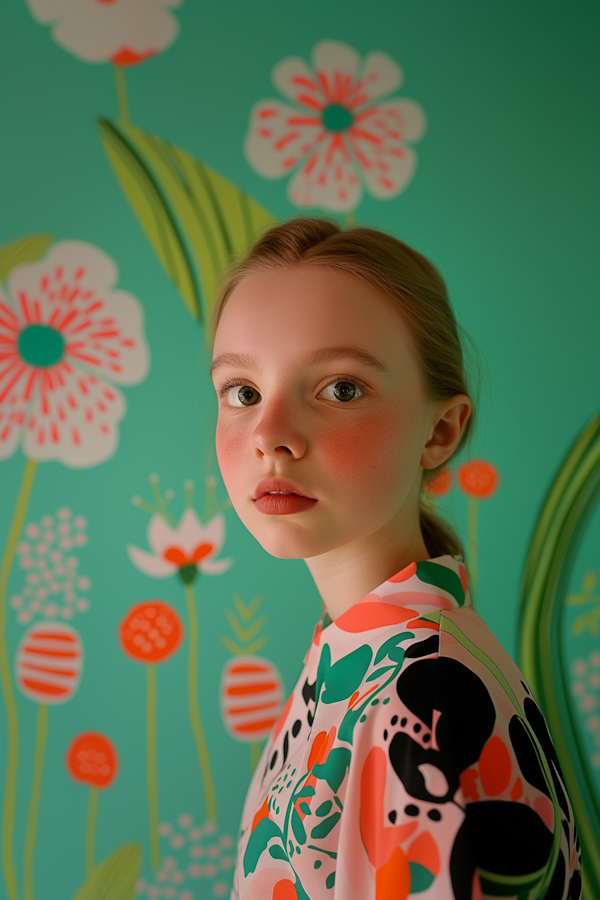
{"x":342,"y":391}
{"x":242,"y":395}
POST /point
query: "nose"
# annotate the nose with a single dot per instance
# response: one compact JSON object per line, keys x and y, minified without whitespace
{"x":278,"y":433}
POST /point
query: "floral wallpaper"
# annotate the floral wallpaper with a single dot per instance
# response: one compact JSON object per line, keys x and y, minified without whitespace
{"x":147,"y":643}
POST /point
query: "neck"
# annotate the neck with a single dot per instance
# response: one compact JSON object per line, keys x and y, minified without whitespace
{"x":345,"y":575}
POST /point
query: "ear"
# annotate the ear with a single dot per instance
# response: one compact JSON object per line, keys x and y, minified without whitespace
{"x":450,"y":418}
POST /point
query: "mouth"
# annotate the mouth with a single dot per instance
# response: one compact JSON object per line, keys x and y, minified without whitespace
{"x":280,"y":497}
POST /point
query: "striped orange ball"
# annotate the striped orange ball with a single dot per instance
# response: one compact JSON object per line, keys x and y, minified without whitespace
{"x":49,"y":662}
{"x":251,"y":697}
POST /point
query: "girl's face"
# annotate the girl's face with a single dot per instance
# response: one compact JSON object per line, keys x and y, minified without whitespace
{"x":323,"y":419}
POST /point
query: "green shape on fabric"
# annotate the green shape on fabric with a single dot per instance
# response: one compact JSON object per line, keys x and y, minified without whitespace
{"x":346,"y":732}
{"x":324,"y":808}
{"x":442,"y":577}
{"x":344,"y":677}
{"x":330,"y":880}
{"x":420,"y":878}
{"x":333,"y":770}
{"x":257,"y":843}
{"x":278,"y":852}
{"x":305,"y":809}
{"x":377,"y":672}
{"x":298,"y":827}
{"x":323,"y":828}
{"x":390,"y":648}
{"x":307,"y":791}
{"x":495,"y":885}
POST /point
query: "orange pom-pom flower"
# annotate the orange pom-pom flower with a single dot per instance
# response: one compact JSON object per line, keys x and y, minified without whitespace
{"x":478,"y":478}
{"x":151,"y":631}
{"x":92,"y":759}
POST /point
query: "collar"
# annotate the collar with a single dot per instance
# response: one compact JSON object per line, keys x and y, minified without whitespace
{"x":419,"y":589}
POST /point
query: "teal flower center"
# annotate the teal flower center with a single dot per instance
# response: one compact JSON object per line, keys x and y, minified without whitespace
{"x":41,"y":346}
{"x":337,"y":118}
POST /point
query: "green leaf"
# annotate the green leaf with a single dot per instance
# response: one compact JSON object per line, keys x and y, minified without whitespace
{"x":323,"y":828}
{"x":257,"y":843}
{"x":333,"y":770}
{"x":442,"y":577}
{"x":378,"y":672}
{"x":298,"y":827}
{"x":115,"y":877}
{"x":390,"y":648}
{"x":343,"y":677}
{"x":196,"y":221}
{"x":24,"y":250}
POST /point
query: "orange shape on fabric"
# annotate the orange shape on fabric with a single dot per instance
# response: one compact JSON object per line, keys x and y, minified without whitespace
{"x":495,"y":767}
{"x":464,"y":581}
{"x":151,"y":631}
{"x":478,"y":478}
{"x":405,"y":574}
{"x":545,"y":811}
{"x":321,"y":746}
{"x":517,"y":790}
{"x":424,"y":851}
{"x":423,"y":623}
{"x":379,"y":841}
{"x":468,"y":783}
{"x":285,"y":890}
{"x":92,"y":759}
{"x":365,"y":616}
{"x":392,"y":881}
{"x":263,"y":813}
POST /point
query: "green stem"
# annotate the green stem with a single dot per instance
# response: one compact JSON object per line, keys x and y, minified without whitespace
{"x":350,"y":219}
{"x":122,"y":95}
{"x":472,"y":506}
{"x":254,"y":754}
{"x":201,"y":748}
{"x":34,"y":800}
{"x":151,"y":768}
{"x":12,"y":738}
{"x":90,"y":831}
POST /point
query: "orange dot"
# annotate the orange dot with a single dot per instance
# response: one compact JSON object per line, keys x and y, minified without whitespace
{"x":439,"y":484}
{"x":285,"y":890}
{"x":478,"y":478}
{"x":495,"y":767}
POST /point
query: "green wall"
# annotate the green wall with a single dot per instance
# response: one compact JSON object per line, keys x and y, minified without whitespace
{"x":504,"y":201}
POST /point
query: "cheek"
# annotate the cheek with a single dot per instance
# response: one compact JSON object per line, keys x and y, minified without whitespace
{"x":229,"y":447}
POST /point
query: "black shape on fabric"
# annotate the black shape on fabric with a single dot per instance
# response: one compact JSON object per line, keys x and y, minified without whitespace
{"x":296,"y":727}
{"x":467,"y":712}
{"x":426,"y":738}
{"x":411,"y":810}
{"x":529,"y":764}
{"x":309,"y":691}
{"x":575,"y":886}
{"x":394,"y":719}
{"x":508,"y":838}
{"x":435,"y":815}
{"x":402,"y":721}
{"x":273,"y":760}
{"x":565,"y":826}
{"x":462,"y":864}
{"x":416,"y":728}
{"x":286,"y":747}
{"x":538,"y":723}
{"x":557,"y":885}
{"x":423,"y":648}
{"x":416,"y":688}
{"x":406,"y":756}
{"x":392,"y":816}
{"x":310,"y":717}
{"x":385,"y":734}
{"x":525,"y":688}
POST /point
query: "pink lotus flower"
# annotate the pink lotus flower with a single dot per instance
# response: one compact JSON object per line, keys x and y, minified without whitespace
{"x":66,"y":339}
{"x":187,"y":549}
{"x":123,"y":32}
{"x":340,"y":134}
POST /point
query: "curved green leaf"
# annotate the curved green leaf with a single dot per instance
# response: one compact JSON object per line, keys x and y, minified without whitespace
{"x":565,"y":514}
{"x":115,"y":877}
{"x":196,"y":221}
{"x":24,"y":250}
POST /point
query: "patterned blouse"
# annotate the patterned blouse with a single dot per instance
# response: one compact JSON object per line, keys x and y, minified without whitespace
{"x":411,"y":757}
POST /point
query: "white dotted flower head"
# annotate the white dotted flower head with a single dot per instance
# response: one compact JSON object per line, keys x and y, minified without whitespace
{"x":54,"y":587}
{"x":191,"y":853}
{"x":341,"y":136}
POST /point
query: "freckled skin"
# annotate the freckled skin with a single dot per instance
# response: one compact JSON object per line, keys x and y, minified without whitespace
{"x":362,"y":459}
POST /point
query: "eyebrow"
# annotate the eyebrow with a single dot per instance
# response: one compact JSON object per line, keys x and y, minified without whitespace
{"x":325,"y":355}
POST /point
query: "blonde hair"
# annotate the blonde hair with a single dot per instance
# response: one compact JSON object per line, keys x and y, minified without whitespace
{"x":399,"y":274}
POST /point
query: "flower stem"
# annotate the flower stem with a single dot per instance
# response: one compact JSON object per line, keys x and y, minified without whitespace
{"x":350,"y":219}
{"x":151,"y":768}
{"x":34,"y":800}
{"x":12,"y":738}
{"x":254,"y":754}
{"x":122,"y":96}
{"x":201,"y":748}
{"x":90,"y":831}
{"x":472,"y":506}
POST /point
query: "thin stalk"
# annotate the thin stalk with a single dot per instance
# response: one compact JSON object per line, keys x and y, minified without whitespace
{"x":472,"y":507}
{"x":152,"y":768}
{"x":201,"y":748}
{"x":34,"y":800}
{"x":90,"y":831}
{"x":350,"y":219}
{"x":254,"y":754}
{"x":9,"y":804}
{"x":122,"y":95}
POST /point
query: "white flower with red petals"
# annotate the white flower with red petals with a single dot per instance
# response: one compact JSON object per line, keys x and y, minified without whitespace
{"x":66,"y":340}
{"x":188,"y":548}
{"x":123,"y":32}
{"x":341,"y":134}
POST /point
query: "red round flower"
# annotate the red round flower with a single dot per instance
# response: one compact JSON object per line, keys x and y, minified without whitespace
{"x":439,"y":484}
{"x":478,"y":478}
{"x":92,"y":759}
{"x":151,"y":631}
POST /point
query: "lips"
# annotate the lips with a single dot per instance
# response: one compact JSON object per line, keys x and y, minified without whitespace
{"x":280,"y":497}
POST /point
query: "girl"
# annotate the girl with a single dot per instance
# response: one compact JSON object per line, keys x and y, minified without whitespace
{"x":410,"y":756}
